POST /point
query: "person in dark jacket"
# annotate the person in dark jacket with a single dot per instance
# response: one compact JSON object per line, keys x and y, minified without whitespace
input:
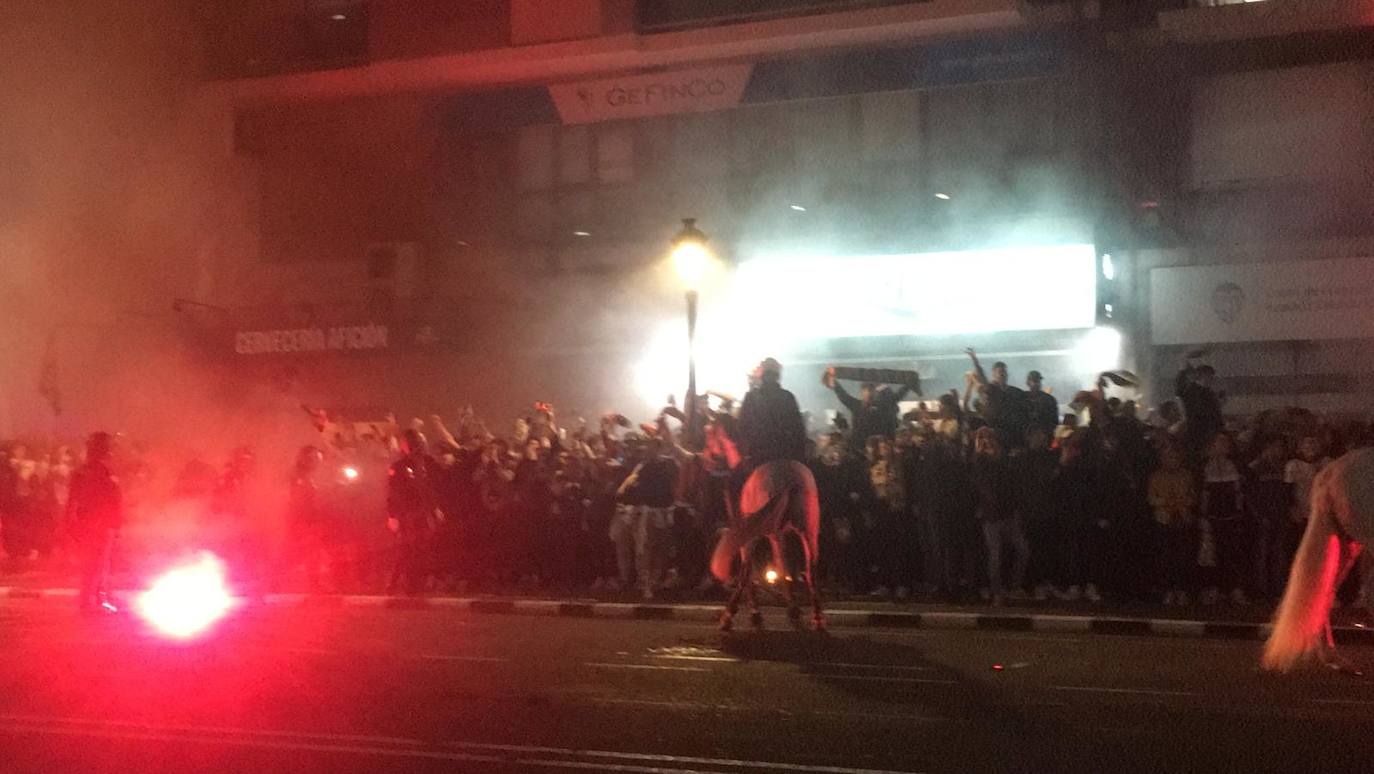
{"x":1036,"y":469}
{"x":995,"y":485}
{"x":305,"y":529}
{"x":647,"y":497}
{"x":769,"y":428}
{"x":1001,"y":405}
{"x":412,"y":510}
{"x":1042,"y":409}
{"x":770,"y":425}
{"x":874,"y":412}
{"x":95,"y":511}
{"x":1202,"y":418}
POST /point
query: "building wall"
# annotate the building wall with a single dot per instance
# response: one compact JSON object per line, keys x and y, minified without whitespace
{"x":400,"y":29}
{"x":120,"y":193}
{"x":1273,"y":166}
{"x":336,"y":177}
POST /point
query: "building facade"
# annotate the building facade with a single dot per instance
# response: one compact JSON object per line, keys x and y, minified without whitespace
{"x":1247,"y":149}
{"x":887,"y":183}
{"x":419,"y":204}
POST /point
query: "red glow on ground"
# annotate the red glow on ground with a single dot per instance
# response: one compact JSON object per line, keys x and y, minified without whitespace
{"x":186,"y":600}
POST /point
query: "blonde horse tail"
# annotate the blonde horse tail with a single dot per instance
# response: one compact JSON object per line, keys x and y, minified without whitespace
{"x":1300,"y":624}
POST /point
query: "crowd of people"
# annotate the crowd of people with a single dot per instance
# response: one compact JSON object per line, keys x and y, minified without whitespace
{"x":996,"y":494}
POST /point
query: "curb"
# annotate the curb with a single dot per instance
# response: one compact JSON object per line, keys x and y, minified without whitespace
{"x":935,"y":620}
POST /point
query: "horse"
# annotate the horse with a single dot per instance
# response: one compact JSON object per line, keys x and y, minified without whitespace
{"x":1340,"y":524}
{"x":778,"y":497}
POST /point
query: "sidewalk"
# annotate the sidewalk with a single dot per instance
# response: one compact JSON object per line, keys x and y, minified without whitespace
{"x":1215,"y":622}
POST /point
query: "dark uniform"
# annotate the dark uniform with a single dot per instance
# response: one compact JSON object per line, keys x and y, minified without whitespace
{"x":304,"y":522}
{"x":95,"y":512}
{"x":237,"y":540}
{"x":412,"y":499}
{"x":770,"y":428}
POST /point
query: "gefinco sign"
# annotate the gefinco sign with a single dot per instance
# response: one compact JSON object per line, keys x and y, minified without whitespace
{"x":641,"y":96}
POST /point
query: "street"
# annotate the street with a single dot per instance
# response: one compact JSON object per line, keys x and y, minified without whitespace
{"x":315,"y":688}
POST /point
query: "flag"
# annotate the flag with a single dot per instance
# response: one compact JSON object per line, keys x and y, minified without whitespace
{"x":47,"y":377}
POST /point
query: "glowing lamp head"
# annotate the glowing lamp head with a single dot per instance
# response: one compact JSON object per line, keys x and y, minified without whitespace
{"x":350,"y":473}
{"x":690,"y":256}
{"x":186,"y":600}
{"x":771,"y":576}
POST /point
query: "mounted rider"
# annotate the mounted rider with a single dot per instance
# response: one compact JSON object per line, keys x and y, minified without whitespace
{"x":773,"y":494}
{"x":770,"y":425}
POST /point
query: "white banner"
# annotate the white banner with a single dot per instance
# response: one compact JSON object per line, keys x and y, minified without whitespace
{"x":640,"y":96}
{"x":1290,"y":300}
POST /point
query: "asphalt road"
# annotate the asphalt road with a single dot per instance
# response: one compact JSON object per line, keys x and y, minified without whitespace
{"x":319,"y":689}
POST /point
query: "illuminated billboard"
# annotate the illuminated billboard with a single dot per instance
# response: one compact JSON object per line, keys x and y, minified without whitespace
{"x":781,"y":305}
{"x":1050,"y":287}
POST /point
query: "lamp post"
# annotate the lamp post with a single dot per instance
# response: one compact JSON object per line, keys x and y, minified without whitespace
{"x":690,"y":259}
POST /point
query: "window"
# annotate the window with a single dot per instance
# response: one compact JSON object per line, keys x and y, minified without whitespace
{"x":534,"y":216}
{"x":615,"y":153}
{"x":574,"y":155}
{"x":534,"y":158}
{"x":958,"y":133}
{"x":760,"y":140}
{"x":890,"y":126}
{"x":824,"y":131}
{"x":699,"y":144}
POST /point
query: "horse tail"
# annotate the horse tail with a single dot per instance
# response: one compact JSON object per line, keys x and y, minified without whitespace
{"x":811,"y":504}
{"x":751,"y":528}
{"x":1301,"y":620}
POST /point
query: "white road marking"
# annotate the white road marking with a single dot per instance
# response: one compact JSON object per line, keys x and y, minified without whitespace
{"x":303,"y":651}
{"x":408,"y":748}
{"x":894,"y":667}
{"x":726,"y":659}
{"x":658,"y":667}
{"x":478,"y":659}
{"x":651,"y":757}
{"x":229,"y":731}
{"x":1141,"y":691}
{"x":387,"y":653}
{"x":883,"y":678}
{"x":692,"y":705}
{"x":239,"y":741}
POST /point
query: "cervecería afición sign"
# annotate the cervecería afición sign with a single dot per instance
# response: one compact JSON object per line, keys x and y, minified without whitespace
{"x":342,"y":338}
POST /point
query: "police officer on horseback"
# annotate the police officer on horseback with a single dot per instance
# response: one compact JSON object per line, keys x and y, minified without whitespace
{"x":779,"y":494}
{"x":770,"y":425}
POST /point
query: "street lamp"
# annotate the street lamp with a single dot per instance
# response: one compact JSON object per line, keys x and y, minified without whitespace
{"x":691,"y":259}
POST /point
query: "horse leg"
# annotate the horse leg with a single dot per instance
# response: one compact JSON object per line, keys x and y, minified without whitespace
{"x":780,"y":563}
{"x":746,"y":574}
{"x":727,"y":618}
{"x":809,"y":552}
{"x":1350,"y":554}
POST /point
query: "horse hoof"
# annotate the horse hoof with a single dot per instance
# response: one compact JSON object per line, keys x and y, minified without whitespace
{"x":756,"y":620}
